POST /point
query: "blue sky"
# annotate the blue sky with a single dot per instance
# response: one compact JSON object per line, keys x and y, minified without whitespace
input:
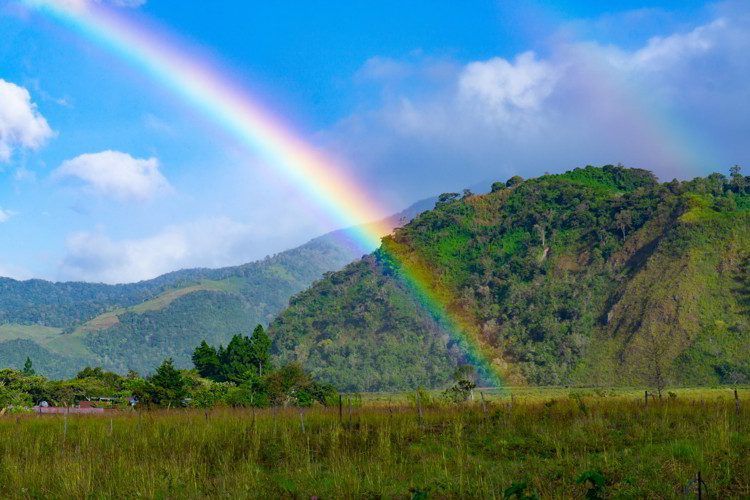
{"x":106,"y":176}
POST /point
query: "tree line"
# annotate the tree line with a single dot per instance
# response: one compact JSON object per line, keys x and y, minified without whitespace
{"x":240,"y":375}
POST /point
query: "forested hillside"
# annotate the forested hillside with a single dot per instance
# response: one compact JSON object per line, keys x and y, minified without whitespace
{"x":598,"y":275}
{"x":66,"y":326}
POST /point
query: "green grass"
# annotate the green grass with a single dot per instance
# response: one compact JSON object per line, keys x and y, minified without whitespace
{"x":36,"y":333}
{"x":387,"y":450}
{"x":110,"y":318}
{"x":50,"y":338}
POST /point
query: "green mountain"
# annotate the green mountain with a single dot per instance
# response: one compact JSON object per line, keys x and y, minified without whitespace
{"x":596,"y":276}
{"x":66,"y":326}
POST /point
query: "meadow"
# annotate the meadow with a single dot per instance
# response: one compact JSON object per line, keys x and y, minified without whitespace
{"x":559,"y":443}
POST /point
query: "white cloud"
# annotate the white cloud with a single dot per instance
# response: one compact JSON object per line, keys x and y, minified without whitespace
{"x":83,"y":4}
{"x":507,"y":89}
{"x":673,"y":49}
{"x":130,"y":4}
{"x":675,"y":104}
{"x":21,"y":125}
{"x":207,"y":242}
{"x":5,"y":215}
{"x":117,"y":175}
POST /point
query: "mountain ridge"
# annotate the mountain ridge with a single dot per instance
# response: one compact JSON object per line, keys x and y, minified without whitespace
{"x":575,"y":278}
{"x":135,"y":326}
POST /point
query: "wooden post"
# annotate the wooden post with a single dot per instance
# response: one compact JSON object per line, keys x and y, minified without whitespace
{"x":341,"y":409}
{"x":302,"y":419}
{"x":484,"y":405}
{"x":700,"y":486}
{"x":65,"y":424}
{"x":350,"y":412}
{"x":419,"y":406}
{"x":736,"y":402}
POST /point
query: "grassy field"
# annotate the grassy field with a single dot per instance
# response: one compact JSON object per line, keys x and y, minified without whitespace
{"x":110,"y":318}
{"x":545,"y":438}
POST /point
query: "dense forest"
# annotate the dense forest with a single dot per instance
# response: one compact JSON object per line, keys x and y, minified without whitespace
{"x":599,"y":275}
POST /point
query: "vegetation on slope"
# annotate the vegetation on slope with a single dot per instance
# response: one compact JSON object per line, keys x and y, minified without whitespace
{"x":596,"y":275}
{"x":135,"y":326}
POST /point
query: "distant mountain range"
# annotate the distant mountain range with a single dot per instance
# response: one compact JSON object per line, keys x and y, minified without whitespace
{"x":64,"y":327}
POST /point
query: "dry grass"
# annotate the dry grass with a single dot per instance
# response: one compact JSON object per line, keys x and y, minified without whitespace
{"x":386,"y":450}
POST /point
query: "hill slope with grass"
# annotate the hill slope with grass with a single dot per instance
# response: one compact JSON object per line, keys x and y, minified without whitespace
{"x":64,"y":327}
{"x":596,"y":276}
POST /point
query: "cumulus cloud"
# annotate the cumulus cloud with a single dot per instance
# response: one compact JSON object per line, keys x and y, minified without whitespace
{"x":116,"y":174}
{"x":21,"y":125}
{"x":675,"y":104}
{"x":504,"y":90}
{"x":207,"y":242}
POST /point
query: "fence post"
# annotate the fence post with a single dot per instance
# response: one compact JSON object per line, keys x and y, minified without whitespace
{"x":65,"y":424}
{"x":419,"y":405}
{"x":736,"y":402}
{"x":341,"y":409}
{"x":302,"y":419}
{"x":484,"y":405}
{"x":350,"y":412}
{"x":645,"y":398}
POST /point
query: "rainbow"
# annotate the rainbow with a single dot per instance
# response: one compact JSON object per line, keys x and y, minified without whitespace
{"x":238,"y":113}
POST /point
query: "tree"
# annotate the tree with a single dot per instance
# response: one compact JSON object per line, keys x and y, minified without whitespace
{"x":497,"y":186}
{"x":737,"y":180}
{"x":166,"y":387}
{"x":624,"y":221}
{"x":243,"y":359}
{"x":465,"y":378}
{"x":655,"y":356}
{"x":28,"y":369}
{"x":446,"y":198}
{"x":289,"y":385}
{"x":261,"y":350}
{"x":89,"y":372}
{"x":514,"y":181}
{"x":237,"y":360}
{"x":207,"y":362}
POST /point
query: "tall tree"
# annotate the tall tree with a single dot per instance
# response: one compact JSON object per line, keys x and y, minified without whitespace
{"x":737,"y":180}
{"x":261,"y":350}
{"x":28,"y":368}
{"x":167,"y":386}
{"x":237,"y":360}
{"x":207,"y":362}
